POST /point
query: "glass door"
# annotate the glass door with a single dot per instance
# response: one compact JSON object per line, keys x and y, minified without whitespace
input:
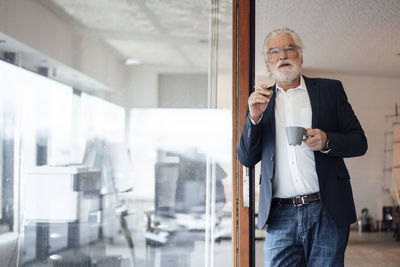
{"x":117,"y":151}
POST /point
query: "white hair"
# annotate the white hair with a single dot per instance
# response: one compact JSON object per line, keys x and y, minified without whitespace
{"x":296,"y":38}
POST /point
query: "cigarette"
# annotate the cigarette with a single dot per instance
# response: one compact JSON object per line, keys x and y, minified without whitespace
{"x":260,"y":88}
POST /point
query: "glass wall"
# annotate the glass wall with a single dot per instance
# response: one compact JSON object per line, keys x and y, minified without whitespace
{"x":119,"y":164}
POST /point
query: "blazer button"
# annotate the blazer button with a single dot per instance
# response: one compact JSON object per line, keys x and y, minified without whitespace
{"x":272,"y":157}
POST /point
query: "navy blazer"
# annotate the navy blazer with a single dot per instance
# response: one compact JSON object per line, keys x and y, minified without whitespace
{"x":332,"y":113}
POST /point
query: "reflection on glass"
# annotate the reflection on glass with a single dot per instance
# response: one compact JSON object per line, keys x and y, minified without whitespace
{"x":8,"y":231}
{"x":173,"y":156}
{"x":90,"y":179}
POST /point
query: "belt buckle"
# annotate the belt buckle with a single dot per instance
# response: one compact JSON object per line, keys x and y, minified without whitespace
{"x":302,"y":198}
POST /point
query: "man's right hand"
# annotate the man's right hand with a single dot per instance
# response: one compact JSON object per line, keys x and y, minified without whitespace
{"x":258,"y":101}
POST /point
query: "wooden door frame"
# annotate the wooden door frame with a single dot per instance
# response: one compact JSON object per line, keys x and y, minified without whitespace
{"x":243,"y":79}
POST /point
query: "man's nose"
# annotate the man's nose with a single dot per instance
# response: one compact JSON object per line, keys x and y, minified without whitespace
{"x":282,"y":55}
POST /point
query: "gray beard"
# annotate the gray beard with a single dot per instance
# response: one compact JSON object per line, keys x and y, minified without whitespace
{"x":281,"y":76}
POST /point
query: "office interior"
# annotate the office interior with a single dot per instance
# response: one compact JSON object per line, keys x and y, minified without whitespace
{"x":116,"y":126}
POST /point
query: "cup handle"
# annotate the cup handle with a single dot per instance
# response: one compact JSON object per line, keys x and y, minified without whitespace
{"x":305,"y":137}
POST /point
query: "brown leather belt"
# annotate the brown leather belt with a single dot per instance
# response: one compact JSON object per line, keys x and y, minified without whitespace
{"x":296,"y":201}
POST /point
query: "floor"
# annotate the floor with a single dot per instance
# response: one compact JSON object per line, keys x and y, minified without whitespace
{"x":363,"y":249}
{"x":372,"y":249}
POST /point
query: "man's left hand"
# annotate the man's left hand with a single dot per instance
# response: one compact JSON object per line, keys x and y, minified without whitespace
{"x":316,"y":139}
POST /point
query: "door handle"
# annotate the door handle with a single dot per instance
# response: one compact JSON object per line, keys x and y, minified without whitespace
{"x":246,"y":187}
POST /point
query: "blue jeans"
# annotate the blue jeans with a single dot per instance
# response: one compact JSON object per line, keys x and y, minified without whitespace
{"x":304,"y":236}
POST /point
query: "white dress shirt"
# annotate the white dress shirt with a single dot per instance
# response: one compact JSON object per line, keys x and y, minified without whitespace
{"x":295,"y":172}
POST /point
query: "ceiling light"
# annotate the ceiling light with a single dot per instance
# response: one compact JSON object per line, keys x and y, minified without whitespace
{"x":55,"y":257}
{"x":132,"y":61}
{"x":55,"y":235}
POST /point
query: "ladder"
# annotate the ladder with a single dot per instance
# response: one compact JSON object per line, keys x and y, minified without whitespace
{"x":391,"y":159}
{"x":395,"y":188}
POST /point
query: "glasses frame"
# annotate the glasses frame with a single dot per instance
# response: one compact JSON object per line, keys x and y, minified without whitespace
{"x":289,"y":49}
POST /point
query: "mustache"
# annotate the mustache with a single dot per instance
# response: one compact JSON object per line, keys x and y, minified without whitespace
{"x":284,"y":62}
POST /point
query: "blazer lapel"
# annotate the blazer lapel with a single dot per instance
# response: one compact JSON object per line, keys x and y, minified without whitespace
{"x":313,"y":93}
{"x":271,"y":110}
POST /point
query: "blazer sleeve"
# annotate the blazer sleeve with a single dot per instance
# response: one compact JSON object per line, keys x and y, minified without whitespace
{"x":349,"y":140}
{"x":250,"y":143}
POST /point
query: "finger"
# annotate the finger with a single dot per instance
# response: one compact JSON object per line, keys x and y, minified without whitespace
{"x":259,"y":96}
{"x":259,"y":100}
{"x":264,"y":92}
{"x":313,"y":141}
{"x":316,"y":145}
{"x":309,"y":142}
{"x":268,"y":97}
{"x":260,"y":86}
{"x":310,"y":146}
{"x":256,"y":100}
{"x":313,"y":147}
{"x":310,"y":132}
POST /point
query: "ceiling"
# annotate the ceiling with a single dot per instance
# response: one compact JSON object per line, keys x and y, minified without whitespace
{"x":155,"y":32}
{"x":346,"y":36}
{"x":356,"y":37}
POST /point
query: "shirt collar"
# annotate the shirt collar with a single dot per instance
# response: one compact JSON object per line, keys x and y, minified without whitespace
{"x":302,"y":86}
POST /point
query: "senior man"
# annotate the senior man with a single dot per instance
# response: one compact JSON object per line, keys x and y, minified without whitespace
{"x":306,"y":199}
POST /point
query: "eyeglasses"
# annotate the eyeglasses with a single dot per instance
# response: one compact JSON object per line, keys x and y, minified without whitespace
{"x":288,"y":50}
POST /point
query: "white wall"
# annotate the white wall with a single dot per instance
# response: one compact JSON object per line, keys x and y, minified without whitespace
{"x":143,"y":87}
{"x":187,"y":90}
{"x":372,"y":98}
{"x":144,"y":82}
{"x":224,"y":90}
